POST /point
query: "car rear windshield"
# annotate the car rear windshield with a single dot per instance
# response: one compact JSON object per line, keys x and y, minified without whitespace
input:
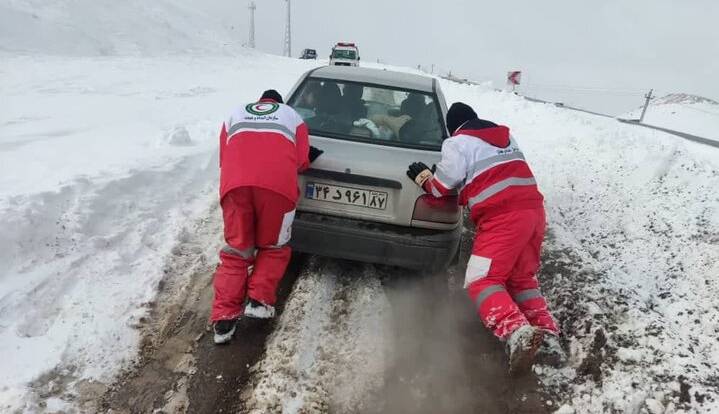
{"x":370,"y":113}
{"x":344,"y":54}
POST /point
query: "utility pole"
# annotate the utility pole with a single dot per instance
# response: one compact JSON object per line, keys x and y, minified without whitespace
{"x":646,"y":105}
{"x":252,"y":7}
{"x":288,"y":31}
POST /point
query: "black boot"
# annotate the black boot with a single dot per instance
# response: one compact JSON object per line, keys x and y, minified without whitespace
{"x":224,"y":330}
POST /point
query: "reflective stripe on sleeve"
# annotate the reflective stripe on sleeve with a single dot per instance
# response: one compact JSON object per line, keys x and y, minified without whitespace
{"x":439,"y":176}
{"x":261,"y":127}
{"x":499,"y":186}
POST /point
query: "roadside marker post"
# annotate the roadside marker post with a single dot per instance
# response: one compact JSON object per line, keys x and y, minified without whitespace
{"x":514,"y":78}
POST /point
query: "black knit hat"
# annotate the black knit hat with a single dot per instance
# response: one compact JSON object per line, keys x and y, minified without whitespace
{"x":272,"y":94}
{"x":458,"y":114}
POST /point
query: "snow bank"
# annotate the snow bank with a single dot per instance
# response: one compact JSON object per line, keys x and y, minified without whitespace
{"x":684,"y":113}
{"x":635,"y":220}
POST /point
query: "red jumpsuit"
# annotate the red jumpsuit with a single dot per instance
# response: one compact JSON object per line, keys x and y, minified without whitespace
{"x":484,"y":161}
{"x":263,"y":146}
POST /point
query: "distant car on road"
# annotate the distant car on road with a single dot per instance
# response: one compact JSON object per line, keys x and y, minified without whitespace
{"x":308,"y":54}
{"x":345,"y":54}
{"x":356,"y":201}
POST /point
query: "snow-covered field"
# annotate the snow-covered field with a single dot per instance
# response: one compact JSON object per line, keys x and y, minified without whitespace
{"x":684,"y":113}
{"x":108,"y":136}
{"x":111,"y":28}
{"x":103,"y":162}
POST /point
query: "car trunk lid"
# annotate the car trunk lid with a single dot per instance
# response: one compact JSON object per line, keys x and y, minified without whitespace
{"x":362,"y":181}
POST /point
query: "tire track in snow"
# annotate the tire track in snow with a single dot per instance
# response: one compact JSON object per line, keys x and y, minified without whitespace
{"x":357,"y":338}
{"x":327,"y":353}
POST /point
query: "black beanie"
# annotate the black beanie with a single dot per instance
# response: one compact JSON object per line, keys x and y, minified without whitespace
{"x":272,"y":94}
{"x":458,"y":114}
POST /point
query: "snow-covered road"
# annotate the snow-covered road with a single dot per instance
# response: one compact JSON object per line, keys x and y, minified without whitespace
{"x":99,"y":184}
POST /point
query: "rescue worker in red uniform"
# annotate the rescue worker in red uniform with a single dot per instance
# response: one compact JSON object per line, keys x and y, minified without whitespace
{"x":263,"y":146}
{"x":483,"y":161}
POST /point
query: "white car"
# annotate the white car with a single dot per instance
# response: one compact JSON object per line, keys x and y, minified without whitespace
{"x":356,"y":201}
{"x":345,"y":54}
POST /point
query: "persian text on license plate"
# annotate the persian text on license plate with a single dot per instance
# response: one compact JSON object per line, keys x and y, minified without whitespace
{"x":346,"y":195}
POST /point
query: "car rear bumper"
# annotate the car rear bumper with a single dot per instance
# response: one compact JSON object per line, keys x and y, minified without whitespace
{"x":374,"y":242}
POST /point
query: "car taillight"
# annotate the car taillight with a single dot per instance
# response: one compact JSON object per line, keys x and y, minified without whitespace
{"x":436,"y":210}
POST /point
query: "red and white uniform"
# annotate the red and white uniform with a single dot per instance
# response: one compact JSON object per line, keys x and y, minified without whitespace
{"x":483,"y":161}
{"x":263,"y":146}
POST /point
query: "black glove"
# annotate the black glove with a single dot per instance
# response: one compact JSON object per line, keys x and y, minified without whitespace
{"x":314,"y":153}
{"x":419,"y":172}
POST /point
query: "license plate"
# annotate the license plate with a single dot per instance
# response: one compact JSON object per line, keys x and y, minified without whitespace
{"x":346,"y":195}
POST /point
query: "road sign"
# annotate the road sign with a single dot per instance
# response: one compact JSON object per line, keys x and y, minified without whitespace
{"x":514,"y":77}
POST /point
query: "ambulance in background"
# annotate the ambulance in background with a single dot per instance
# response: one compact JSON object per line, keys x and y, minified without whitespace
{"x":344,"y":54}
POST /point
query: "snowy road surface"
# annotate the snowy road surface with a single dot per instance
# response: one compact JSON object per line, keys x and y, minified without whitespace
{"x":349,"y":338}
{"x":690,"y":137}
{"x":108,"y":195}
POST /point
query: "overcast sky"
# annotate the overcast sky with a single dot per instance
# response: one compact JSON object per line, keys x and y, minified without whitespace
{"x":566,"y":48}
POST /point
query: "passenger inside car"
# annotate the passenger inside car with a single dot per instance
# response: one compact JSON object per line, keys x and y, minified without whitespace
{"x":330,"y":99}
{"x":310,"y":97}
{"x":413,"y":105}
{"x":352,"y":104}
{"x":356,"y":111}
{"x":391,"y":123}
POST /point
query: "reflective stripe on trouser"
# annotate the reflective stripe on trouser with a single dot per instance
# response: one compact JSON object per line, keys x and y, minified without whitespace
{"x":534,"y":307}
{"x":257,"y":227}
{"x":501,"y":273}
{"x":496,"y":308}
{"x":247,"y":253}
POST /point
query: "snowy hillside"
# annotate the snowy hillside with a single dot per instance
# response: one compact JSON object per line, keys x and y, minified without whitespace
{"x":107,"y":27}
{"x":684,"y":113}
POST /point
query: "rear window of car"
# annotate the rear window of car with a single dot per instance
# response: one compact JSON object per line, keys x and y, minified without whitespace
{"x":370,"y":113}
{"x":344,"y":54}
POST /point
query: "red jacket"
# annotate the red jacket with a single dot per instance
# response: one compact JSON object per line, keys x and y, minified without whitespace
{"x":263,"y":144}
{"x":485,"y":163}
